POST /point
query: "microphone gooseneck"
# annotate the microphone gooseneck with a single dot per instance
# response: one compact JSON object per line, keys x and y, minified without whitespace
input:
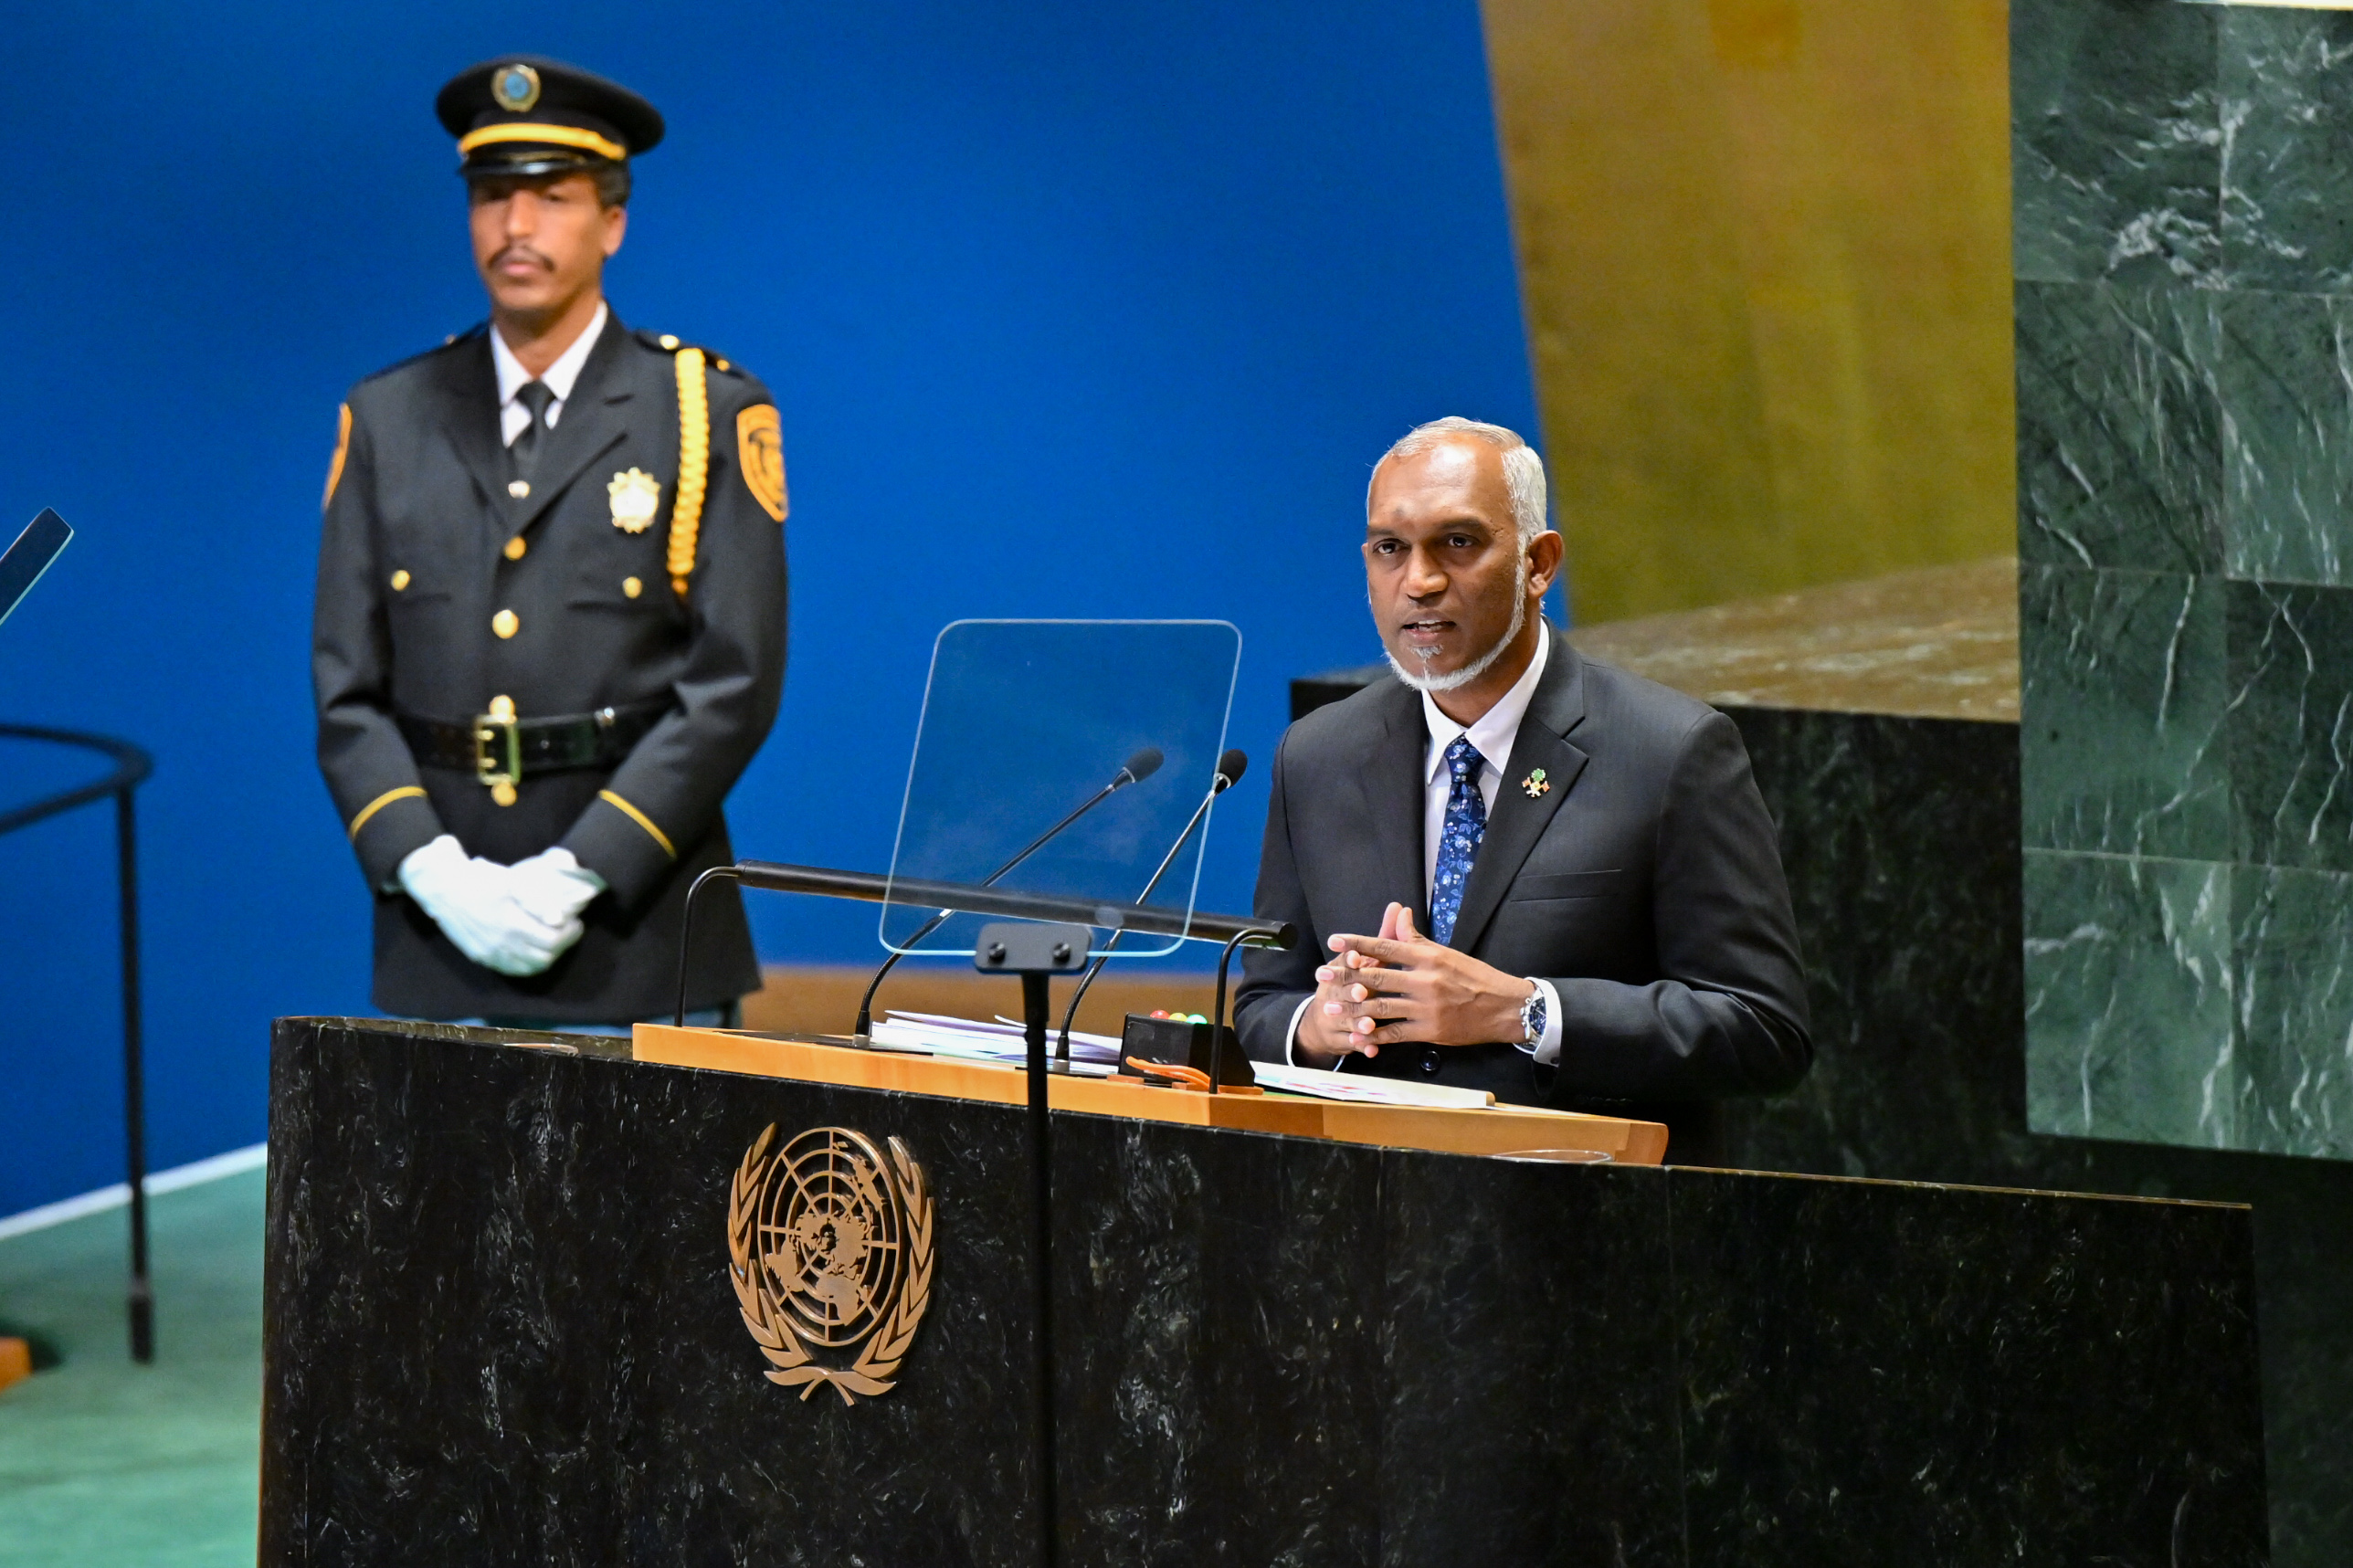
{"x":1230,"y":770}
{"x":1141,"y":765}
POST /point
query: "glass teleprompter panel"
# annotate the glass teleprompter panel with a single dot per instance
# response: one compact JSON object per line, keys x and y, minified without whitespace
{"x":1109,"y":730}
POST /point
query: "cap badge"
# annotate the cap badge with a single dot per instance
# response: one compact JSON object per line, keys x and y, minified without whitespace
{"x":516,"y":87}
{"x":637,"y":496}
{"x":1535,"y":784}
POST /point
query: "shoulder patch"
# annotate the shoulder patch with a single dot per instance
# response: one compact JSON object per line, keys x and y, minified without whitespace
{"x":760,"y":453}
{"x":343,"y":451}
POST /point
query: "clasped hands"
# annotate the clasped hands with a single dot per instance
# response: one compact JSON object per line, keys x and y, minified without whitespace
{"x":1401,"y":987}
{"x":516,"y":919}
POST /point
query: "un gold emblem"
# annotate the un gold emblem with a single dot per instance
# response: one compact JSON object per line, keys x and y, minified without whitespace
{"x":829,"y":1249}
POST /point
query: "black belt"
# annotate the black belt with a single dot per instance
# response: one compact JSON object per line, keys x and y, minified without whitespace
{"x":496,"y":748}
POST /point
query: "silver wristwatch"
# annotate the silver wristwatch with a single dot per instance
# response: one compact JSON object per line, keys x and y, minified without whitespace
{"x":1532,"y":1015}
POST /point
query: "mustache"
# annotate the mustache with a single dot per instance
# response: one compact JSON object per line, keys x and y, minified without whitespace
{"x":518,"y":251}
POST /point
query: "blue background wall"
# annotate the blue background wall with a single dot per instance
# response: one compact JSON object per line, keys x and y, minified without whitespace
{"x":1071,"y":310}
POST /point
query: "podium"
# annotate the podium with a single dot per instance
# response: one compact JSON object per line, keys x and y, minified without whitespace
{"x":514,"y":1283}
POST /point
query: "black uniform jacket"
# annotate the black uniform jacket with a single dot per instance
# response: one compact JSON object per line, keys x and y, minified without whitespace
{"x":1645,"y":884}
{"x":417,"y":566}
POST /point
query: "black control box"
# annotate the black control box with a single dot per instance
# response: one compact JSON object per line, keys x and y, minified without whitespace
{"x":1180,"y":1042}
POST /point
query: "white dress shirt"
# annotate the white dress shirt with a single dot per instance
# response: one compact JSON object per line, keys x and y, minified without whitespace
{"x":1491,"y":735}
{"x":514,"y":416}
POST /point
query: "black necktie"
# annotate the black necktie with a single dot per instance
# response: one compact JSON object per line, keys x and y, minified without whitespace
{"x":535,"y":396}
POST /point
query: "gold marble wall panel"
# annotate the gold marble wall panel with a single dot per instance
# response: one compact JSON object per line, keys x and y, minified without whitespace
{"x":1764,"y":256}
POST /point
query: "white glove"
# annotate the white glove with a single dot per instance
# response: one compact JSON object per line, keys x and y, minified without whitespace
{"x":554,"y":887}
{"x":474,"y":904}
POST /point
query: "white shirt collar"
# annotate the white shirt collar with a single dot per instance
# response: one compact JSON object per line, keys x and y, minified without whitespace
{"x":560,"y":376}
{"x":1491,"y":732}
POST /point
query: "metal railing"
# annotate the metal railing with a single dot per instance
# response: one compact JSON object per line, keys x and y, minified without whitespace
{"x":131,"y":768}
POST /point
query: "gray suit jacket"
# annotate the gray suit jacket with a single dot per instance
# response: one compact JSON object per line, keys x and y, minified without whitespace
{"x":1646,"y":885}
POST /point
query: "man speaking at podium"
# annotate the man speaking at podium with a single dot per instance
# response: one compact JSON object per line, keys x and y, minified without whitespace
{"x":1524,"y":872}
{"x":550,"y":628}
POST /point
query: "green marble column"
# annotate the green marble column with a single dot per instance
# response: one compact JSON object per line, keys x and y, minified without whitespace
{"x":2183,"y":207}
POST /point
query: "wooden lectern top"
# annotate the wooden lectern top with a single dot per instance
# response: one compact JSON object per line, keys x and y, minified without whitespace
{"x":1499,"y":1130}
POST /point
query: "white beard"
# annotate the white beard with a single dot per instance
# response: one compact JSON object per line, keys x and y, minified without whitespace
{"x":1424,"y":681}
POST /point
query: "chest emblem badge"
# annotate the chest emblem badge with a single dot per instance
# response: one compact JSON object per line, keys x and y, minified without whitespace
{"x":637,"y":496}
{"x":829,"y":1249}
{"x":1537,"y":785}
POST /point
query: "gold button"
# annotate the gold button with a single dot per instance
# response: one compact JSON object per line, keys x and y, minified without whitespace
{"x":668,"y":342}
{"x":505,"y":624}
{"x":515,"y":547}
{"x":501,"y":707}
{"x":518,"y":487}
{"x":400,"y":580}
{"x":633,"y":587}
{"x":723,"y":365}
{"x":504,"y":792}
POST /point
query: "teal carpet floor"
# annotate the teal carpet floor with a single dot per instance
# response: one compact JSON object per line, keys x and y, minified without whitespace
{"x":104,"y":1463}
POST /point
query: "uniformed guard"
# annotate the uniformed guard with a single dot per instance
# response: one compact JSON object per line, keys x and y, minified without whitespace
{"x":550,"y":629}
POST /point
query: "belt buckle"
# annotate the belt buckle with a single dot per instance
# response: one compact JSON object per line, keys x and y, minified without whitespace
{"x":497,"y":750}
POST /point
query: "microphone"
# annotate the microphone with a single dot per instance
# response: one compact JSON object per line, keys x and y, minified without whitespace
{"x":22,"y":564}
{"x":1229,"y":771}
{"x":1140,"y":765}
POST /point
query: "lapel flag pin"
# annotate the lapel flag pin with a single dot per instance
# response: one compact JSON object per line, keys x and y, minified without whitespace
{"x":1536,"y":784}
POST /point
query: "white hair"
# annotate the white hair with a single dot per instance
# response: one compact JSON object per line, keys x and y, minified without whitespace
{"x":1523,"y":474}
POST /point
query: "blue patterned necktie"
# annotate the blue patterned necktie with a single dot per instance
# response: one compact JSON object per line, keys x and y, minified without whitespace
{"x":1458,"y":841}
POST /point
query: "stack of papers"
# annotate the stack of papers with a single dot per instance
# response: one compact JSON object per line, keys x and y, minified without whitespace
{"x":1097,"y":1056}
{"x":1001,"y":1040}
{"x":1364,"y":1089}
